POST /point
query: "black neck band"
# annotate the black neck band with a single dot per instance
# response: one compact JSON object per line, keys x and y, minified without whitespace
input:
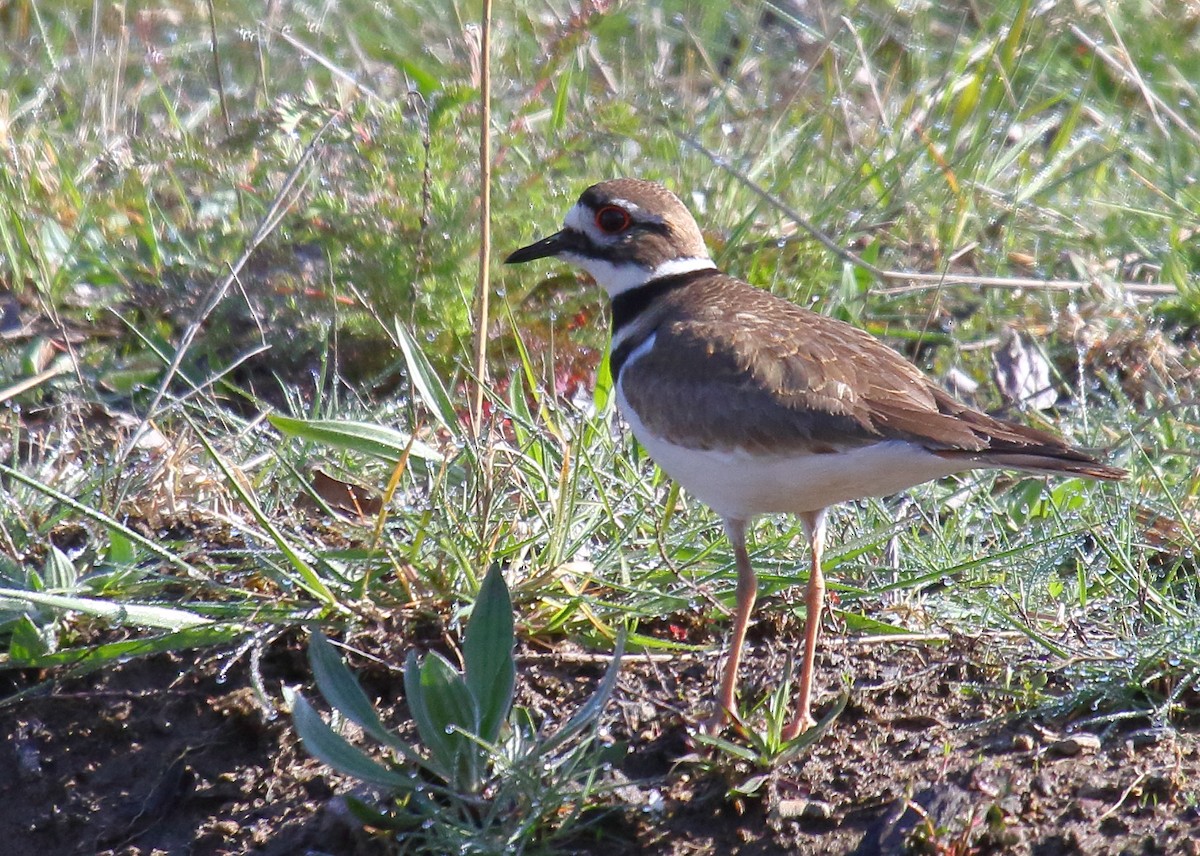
{"x":628,"y":305}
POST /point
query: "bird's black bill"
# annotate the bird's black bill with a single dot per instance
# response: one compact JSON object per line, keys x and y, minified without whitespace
{"x":545,"y":248}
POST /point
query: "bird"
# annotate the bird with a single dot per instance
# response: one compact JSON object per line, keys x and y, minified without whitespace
{"x":757,"y":406}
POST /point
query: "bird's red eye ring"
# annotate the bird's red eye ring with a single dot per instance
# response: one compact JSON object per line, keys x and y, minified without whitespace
{"x":613,"y":219}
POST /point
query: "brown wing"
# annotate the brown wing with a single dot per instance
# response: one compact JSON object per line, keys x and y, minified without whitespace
{"x":735,"y":365}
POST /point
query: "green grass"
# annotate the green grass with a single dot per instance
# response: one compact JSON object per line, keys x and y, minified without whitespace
{"x":921,"y":136}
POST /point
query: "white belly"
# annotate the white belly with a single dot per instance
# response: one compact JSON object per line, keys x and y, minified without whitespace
{"x":739,"y":484}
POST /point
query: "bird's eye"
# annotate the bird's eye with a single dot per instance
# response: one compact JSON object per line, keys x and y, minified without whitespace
{"x":613,"y":219}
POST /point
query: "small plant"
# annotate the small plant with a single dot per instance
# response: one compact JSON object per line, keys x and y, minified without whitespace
{"x":959,"y":838}
{"x":486,"y":779}
{"x":749,"y":766}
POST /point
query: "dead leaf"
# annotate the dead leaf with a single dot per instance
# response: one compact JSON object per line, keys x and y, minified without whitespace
{"x":346,"y":497}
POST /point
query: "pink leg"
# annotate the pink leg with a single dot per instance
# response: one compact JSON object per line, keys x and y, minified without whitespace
{"x":814,"y":528}
{"x":747,"y":591}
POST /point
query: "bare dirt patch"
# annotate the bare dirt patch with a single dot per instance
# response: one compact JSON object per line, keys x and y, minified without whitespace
{"x":925,"y":759}
{"x":163,"y":755}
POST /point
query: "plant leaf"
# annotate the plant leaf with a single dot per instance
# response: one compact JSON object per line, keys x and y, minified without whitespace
{"x":558,"y":114}
{"x":491,"y":670}
{"x":329,"y":747}
{"x":81,"y":660}
{"x":119,"y":613}
{"x":454,"y":715}
{"x":802,"y":741}
{"x":426,"y":382}
{"x":431,"y":727}
{"x":426,"y":81}
{"x":592,"y":708}
{"x":602,"y":391}
{"x":103,"y":519}
{"x":305,"y":576}
{"x":121,"y":551}
{"x":27,"y":643}
{"x":728,"y":747}
{"x":341,"y":690}
{"x":364,"y":437}
{"x":343,"y":693}
{"x":59,"y":572}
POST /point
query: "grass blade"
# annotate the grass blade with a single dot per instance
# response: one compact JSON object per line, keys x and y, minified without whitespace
{"x":307,"y":578}
{"x":591,"y":709}
{"x":427,"y":383}
{"x":99,"y":517}
{"x":141,"y":615}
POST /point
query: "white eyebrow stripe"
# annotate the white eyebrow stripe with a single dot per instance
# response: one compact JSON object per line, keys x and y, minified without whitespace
{"x":577,"y":219}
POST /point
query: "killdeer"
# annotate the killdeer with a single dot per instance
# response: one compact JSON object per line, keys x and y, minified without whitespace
{"x":757,"y":406}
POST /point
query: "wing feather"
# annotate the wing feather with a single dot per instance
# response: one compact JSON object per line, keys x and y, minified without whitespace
{"x":735,"y":365}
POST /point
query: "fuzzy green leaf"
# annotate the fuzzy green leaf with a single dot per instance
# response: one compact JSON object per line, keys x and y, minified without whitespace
{"x":491,"y":670}
{"x":58,"y":571}
{"x":593,"y":707}
{"x":436,"y":741}
{"x":329,"y":747}
{"x":453,"y":712}
{"x":341,"y":690}
{"x":339,"y":687}
{"x":443,"y":709}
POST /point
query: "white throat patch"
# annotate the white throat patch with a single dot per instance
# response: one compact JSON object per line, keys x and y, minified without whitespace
{"x":619,"y":278}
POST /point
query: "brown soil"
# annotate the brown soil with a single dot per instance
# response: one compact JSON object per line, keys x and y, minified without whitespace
{"x":163,"y":756}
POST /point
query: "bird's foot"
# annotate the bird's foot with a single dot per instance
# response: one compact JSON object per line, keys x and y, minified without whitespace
{"x":798,"y":726}
{"x":724,"y":711}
